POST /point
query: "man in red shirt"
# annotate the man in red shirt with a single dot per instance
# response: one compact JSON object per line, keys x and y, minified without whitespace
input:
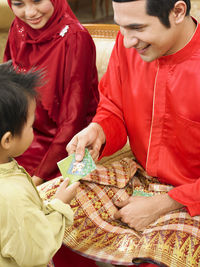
{"x":150,"y":94}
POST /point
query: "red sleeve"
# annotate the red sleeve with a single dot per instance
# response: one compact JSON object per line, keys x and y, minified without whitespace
{"x":189,"y":196}
{"x":78,"y":102}
{"x":110,"y":109}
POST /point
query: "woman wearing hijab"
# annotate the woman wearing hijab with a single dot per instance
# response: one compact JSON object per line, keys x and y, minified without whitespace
{"x":46,"y":35}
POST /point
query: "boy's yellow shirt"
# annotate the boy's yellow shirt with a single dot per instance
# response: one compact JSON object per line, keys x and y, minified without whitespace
{"x":31,"y":231}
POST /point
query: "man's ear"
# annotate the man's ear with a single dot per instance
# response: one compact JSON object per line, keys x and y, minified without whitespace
{"x":179,"y":11}
{"x":6,"y":140}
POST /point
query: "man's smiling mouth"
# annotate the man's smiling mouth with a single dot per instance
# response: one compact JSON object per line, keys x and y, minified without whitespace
{"x":142,"y":50}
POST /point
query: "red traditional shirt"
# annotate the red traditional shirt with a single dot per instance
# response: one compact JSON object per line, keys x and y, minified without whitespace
{"x":157,"y":105}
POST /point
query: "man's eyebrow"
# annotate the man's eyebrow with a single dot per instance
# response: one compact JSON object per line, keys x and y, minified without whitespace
{"x":132,"y":25}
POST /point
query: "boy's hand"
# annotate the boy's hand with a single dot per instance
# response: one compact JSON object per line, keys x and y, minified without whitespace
{"x":66,"y":193}
{"x":37,"y":180}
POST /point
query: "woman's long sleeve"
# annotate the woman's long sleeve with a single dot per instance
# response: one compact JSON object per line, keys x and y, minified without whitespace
{"x":78,"y":102}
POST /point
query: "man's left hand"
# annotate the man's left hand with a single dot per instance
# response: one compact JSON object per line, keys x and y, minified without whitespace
{"x":139,"y":211}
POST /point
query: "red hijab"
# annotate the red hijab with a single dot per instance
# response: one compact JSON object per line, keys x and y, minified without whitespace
{"x":28,"y":48}
{"x":54,"y":25}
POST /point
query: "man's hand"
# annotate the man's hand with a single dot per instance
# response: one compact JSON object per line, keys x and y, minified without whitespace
{"x":138,"y":211}
{"x":92,"y":137}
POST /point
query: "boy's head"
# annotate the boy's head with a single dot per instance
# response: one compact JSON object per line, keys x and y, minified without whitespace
{"x":17,"y":107}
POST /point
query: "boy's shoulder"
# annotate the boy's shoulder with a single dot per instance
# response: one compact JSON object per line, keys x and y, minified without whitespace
{"x":15,"y":184}
{"x":11,"y":186}
{"x":15,"y":188}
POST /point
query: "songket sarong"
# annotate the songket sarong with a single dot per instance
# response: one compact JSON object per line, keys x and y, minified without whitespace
{"x":172,"y":240}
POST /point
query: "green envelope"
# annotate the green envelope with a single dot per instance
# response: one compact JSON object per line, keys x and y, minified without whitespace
{"x":75,"y":170}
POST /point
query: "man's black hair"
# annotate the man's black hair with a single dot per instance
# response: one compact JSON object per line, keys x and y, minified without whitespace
{"x":160,"y":8}
{"x":16,"y":89}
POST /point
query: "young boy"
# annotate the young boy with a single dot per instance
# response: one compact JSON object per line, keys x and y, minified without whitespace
{"x":31,"y":231}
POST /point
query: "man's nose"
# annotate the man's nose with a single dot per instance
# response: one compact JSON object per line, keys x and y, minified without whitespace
{"x":130,"y":40}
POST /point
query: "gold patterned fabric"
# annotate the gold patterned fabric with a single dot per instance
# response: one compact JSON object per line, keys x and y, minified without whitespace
{"x":173,"y":240}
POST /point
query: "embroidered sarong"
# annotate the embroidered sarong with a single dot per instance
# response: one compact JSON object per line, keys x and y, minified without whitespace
{"x":173,"y":240}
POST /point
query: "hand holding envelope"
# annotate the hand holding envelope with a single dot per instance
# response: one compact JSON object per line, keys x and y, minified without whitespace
{"x":75,"y":170}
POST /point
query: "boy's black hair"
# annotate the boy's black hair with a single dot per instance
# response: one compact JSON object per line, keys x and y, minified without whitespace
{"x":160,"y":8}
{"x":16,"y":89}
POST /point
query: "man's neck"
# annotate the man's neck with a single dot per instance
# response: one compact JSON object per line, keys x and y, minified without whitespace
{"x":187,"y":33}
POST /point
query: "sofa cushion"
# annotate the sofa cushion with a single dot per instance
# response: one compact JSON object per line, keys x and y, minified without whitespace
{"x":6,"y":15}
{"x":195,"y":9}
{"x":103,"y":52}
{"x":104,"y":36}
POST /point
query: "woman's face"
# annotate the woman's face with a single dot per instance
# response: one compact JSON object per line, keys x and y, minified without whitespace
{"x":35,"y":13}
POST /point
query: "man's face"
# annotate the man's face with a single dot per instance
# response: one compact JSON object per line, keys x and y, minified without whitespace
{"x":145,"y":33}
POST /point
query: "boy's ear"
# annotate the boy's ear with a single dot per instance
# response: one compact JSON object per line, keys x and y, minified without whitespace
{"x":6,"y":140}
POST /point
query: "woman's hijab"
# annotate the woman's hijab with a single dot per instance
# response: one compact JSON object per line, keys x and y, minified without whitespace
{"x":44,"y":49}
{"x":61,"y":16}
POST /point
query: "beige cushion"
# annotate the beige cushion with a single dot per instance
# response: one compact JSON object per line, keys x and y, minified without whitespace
{"x":103,"y":52}
{"x":104,"y":38}
{"x":195,"y":9}
{"x":3,"y":39}
{"x":6,"y":15}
